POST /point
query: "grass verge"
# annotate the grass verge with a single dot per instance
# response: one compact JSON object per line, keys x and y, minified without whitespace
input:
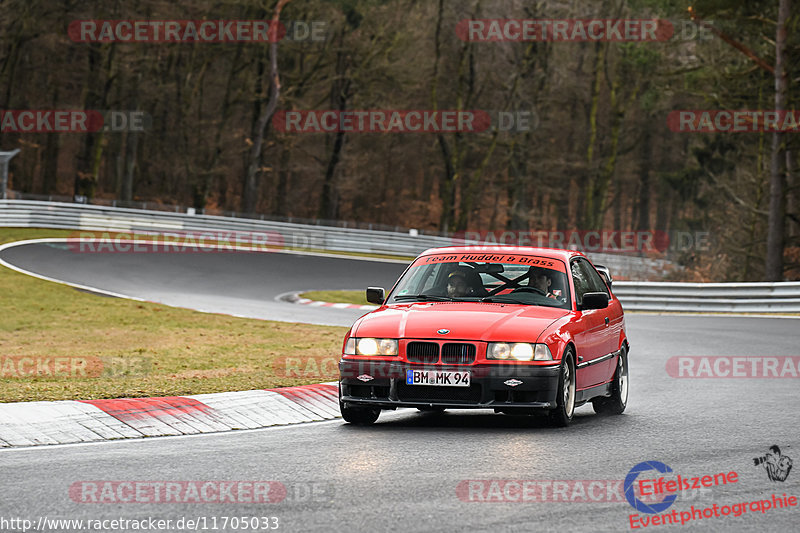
{"x":53,"y":337}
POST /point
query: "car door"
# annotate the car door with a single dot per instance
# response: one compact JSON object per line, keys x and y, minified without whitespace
{"x":613,"y":317}
{"x":592,"y":329}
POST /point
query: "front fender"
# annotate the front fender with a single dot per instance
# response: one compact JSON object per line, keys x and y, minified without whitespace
{"x":557,"y":337}
{"x":623,"y":337}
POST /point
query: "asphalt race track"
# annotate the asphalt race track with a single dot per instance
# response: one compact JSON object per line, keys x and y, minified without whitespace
{"x":244,"y":284}
{"x":411,"y":471}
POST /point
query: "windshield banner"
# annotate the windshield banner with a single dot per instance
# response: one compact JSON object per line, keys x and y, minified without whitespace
{"x":516,"y":259}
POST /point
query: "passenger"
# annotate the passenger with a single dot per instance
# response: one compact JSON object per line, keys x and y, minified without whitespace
{"x":465,"y":282}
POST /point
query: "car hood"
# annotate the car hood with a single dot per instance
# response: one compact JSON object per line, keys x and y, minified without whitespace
{"x":464,"y":320}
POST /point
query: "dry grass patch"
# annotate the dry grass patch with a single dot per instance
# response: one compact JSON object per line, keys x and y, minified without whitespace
{"x":148,"y":349}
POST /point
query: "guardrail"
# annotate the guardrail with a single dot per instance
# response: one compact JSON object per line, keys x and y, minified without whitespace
{"x":61,"y":215}
{"x":645,"y":296}
{"x":26,"y":213}
{"x":709,"y":297}
{"x":173,"y":208}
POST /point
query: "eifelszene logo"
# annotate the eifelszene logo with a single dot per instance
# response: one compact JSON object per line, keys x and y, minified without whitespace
{"x":661,"y":485}
{"x":630,"y":486}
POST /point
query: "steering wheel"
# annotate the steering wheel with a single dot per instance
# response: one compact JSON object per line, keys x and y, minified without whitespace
{"x":529,"y":289}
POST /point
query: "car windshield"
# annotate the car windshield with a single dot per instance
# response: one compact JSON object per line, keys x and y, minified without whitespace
{"x":514,"y":279}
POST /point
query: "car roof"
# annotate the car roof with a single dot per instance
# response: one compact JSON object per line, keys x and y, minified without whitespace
{"x":550,"y":253}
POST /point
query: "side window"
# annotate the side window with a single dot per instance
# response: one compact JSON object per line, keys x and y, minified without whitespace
{"x":581,"y":283}
{"x":596,"y":283}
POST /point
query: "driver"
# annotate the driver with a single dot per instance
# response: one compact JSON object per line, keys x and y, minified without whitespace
{"x":540,"y":279}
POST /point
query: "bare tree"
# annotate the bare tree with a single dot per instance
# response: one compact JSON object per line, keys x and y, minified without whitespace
{"x":777,"y":180}
{"x":250,"y":190}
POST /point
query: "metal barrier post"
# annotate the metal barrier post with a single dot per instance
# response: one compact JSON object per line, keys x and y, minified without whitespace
{"x":5,"y":158}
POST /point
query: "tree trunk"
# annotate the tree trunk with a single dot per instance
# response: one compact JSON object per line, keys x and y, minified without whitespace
{"x":131,"y":153}
{"x":518,"y":193}
{"x":588,"y":207}
{"x":211,"y":170}
{"x":447,"y":185}
{"x":250,"y":189}
{"x":471,"y":190}
{"x":84,"y":176}
{"x":284,"y":173}
{"x":775,"y":224}
{"x":645,"y":164}
{"x":340,"y":96}
{"x":793,"y":229}
{"x":10,"y":65}
{"x":328,"y":207}
{"x":51,"y":150}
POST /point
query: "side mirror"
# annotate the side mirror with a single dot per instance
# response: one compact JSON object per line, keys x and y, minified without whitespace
{"x":376,"y":295}
{"x":594,"y":300}
{"x":606,"y":273}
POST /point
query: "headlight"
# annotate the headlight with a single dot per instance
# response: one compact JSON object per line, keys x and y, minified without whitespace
{"x":367,"y":346}
{"x":498,"y":350}
{"x":370,"y":346}
{"x":522,"y":352}
{"x":519,"y":351}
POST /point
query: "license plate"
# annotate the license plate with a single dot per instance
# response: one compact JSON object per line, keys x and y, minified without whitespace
{"x":437,"y":378}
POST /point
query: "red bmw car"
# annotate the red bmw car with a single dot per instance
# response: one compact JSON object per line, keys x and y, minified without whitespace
{"x":517,"y":330}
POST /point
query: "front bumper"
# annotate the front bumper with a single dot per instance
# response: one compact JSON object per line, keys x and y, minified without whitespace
{"x":383,"y":384}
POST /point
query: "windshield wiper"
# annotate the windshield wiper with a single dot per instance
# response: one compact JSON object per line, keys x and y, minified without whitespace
{"x":424,"y":297}
{"x":502,"y":298}
{"x":506,"y":299}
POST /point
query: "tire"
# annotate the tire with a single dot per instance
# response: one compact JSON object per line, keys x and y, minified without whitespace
{"x":561,"y":416}
{"x":616,"y":403}
{"x":360,"y":416}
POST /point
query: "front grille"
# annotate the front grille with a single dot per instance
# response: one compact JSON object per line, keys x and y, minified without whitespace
{"x":458,"y":354}
{"x":423,"y":393}
{"x":422,"y":352}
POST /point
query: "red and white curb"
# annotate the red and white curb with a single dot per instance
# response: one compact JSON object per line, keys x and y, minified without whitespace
{"x":295,"y":298}
{"x":72,"y":421}
{"x":318,"y":303}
